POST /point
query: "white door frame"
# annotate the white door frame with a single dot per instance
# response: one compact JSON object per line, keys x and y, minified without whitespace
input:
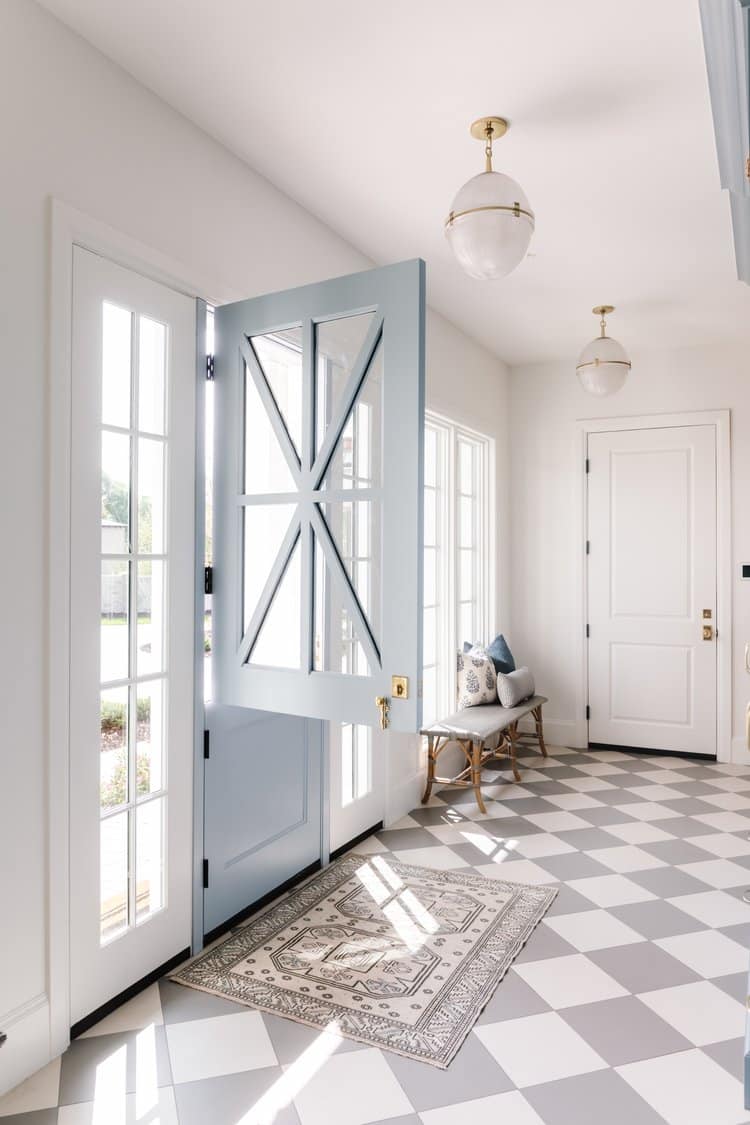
{"x":69,"y":228}
{"x":721,"y":421}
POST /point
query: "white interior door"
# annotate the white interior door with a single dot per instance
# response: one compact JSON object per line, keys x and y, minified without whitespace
{"x":652,"y":588}
{"x":131,"y":658}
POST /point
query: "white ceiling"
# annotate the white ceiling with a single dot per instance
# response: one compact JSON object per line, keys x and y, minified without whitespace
{"x":361,"y":113}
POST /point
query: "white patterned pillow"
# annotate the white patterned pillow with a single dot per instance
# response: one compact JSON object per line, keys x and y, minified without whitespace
{"x":477,"y":679}
{"x":514,"y":687}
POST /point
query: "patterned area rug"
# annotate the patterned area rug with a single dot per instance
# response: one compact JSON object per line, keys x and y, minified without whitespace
{"x":399,"y":957}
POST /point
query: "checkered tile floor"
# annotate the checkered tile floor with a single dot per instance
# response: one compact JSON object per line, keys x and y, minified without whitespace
{"x":626,"y":1006}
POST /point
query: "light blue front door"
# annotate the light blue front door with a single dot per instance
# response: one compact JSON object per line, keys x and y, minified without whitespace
{"x":317,"y":547}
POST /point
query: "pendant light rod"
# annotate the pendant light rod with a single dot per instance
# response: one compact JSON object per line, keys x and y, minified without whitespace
{"x":602,"y":311}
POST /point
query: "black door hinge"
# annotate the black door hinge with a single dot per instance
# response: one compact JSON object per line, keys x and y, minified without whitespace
{"x":588,"y":547}
{"x":209,"y":367}
{"x":208,"y":580}
{"x":588,"y":711}
{"x":205,"y":873}
{"x":206,"y":746}
{"x":588,"y":465}
{"x":588,"y":631}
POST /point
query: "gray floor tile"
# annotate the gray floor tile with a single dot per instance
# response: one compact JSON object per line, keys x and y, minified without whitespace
{"x":472,"y":1074}
{"x":572,"y":865}
{"x":544,"y":943}
{"x":591,"y":1099}
{"x":78,"y":1070}
{"x":410,"y":1119}
{"x":735,"y":985}
{"x":605,"y":814}
{"x":290,"y":1038}
{"x":37,"y":1117}
{"x":739,"y":933}
{"x":472,"y":854}
{"x":642,"y":967}
{"x":401,"y":839}
{"x":565,"y":772}
{"x":729,"y":1054}
{"x":655,"y":919}
{"x":568,"y":901}
{"x":694,"y":788}
{"x":512,"y":999}
{"x":509,"y":826}
{"x":684,"y":826}
{"x":551,"y":788}
{"x":587,"y":839}
{"x":533,"y":805}
{"x":689,"y":806}
{"x":675,"y":851}
{"x":226,"y":1100}
{"x":668,"y":882}
{"x":618,"y":797}
{"x":438,"y":815}
{"x":624,"y":1030}
{"x":179,"y":1003}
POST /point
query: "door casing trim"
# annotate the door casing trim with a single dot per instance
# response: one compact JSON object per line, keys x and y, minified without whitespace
{"x":721,"y":421}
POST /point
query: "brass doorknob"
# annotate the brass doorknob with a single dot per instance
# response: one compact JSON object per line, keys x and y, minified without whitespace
{"x":708,"y":632}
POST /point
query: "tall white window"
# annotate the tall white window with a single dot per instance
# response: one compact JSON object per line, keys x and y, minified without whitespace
{"x":458,"y":566}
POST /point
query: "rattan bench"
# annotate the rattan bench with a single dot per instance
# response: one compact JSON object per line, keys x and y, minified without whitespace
{"x":484,"y":732}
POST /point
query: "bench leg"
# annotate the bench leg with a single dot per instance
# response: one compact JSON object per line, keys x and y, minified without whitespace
{"x":431,"y":756}
{"x":512,"y":739}
{"x":540,"y":729}
{"x":476,"y":774}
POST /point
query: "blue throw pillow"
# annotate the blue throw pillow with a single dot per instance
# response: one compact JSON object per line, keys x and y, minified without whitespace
{"x":500,"y":653}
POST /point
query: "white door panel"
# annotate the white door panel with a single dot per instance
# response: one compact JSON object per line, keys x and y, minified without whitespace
{"x":651,"y":575}
{"x":131,"y":661}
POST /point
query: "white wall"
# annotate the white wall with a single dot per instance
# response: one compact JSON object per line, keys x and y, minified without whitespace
{"x":545,"y":452}
{"x":76,"y":127}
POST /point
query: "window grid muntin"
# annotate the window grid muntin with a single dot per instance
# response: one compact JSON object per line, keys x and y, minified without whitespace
{"x":132,"y":557}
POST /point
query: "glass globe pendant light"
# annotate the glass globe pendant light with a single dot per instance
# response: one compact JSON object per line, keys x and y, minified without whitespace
{"x":603,"y":365}
{"x":490,"y":222}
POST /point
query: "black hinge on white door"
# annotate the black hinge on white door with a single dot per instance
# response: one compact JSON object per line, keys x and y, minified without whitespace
{"x":205,"y":874}
{"x":588,"y":546}
{"x":206,"y":744}
{"x":588,"y":630}
{"x":209,"y":367}
{"x":588,"y":711}
{"x":208,"y":580}
{"x":588,"y":465}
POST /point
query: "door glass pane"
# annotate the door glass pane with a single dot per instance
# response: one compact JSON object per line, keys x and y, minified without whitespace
{"x":113,"y":876}
{"x":430,"y":626}
{"x":151,"y":617}
{"x":465,"y":467}
{"x":430,"y":457}
{"x":337,"y":347}
{"x":265,"y":528}
{"x":115,"y":492}
{"x":466,"y":575}
{"x":266,"y":468}
{"x":150,"y":737}
{"x":279,"y":642}
{"x":113,"y":631}
{"x":356,"y":462}
{"x":465,"y":522}
{"x":466,"y":629}
{"x":280,"y":356}
{"x":152,"y":358}
{"x":355,"y":527}
{"x":356,"y":762}
{"x":430,"y":576}
{"x":116,"y":342}
{"x":430,"y":517}
{"x":336,"y":645}
{"x":429,"y":695}
{"x":149,"y":862}
{"x":113,"y":748}
{"x":151,"y":521}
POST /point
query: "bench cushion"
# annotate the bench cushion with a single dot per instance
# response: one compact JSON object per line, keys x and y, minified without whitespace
{"x":484,"y":723}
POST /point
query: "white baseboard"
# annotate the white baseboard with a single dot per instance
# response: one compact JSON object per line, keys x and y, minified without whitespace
{"x":403,"y":797}
{"x":27,"y":1047}
{"x":560,"y":732}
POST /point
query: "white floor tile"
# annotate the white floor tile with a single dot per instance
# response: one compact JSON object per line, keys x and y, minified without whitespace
{"x":572,"y":801}
{"x":662,"y":777}
{"x":607,"y":755}
{"x":730,"y":784}
{"x":701,"y":1011}
{"x":707,"y":952}
{"x":557,"y":821}
{"x":465,"y":832}
{"x":717,"y":872}
{"x":40,"y":1091}
{"x":405,"y":822}
{"x":626,"y":858}
{"x":439,"y":857}
{"x":722,"y":844}
{"x":724,"y":821}
{"x":370,"y":846}
{"x":611,"y":890}
{"x":566,"y":981}
{"x":656,"y":792}
{"x":155,"y":1108}
{"x":729,"y":801}
{"x":687,"y":1088}
{"x":593,"y":929}
{"x":638,"y":832}
{"x":713,"y":908}
{"x":541,"y":844}
{"x":603,"y":769}
{"x":517,"y":871}
{"x":352,"y":1088}
{"x":650,"y":810}
{"x":511,"y":1108}
{"x":142,"y":1011}
{"x":538,"y":1049}
{"x":219,"y":1045}
{"x":516,"y":792}
{"x":587,"y":784}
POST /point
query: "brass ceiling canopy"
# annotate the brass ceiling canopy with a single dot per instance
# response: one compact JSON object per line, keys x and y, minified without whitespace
{"x":496,"y":126}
